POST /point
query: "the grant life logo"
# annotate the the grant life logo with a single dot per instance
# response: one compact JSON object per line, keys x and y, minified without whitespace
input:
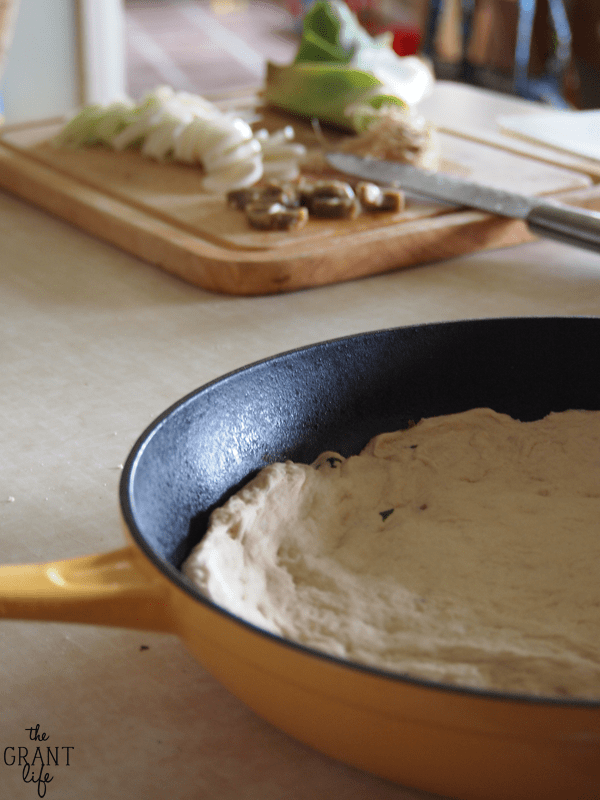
{"x":38,"y":762}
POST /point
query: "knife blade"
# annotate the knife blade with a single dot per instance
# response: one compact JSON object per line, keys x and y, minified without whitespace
{"x":544,"y":217}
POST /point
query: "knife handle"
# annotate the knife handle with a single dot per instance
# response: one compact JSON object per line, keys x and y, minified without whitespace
{"x":566,"y":224}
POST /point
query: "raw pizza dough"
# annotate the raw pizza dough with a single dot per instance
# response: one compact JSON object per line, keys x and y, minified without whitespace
{"x":465,"y":549}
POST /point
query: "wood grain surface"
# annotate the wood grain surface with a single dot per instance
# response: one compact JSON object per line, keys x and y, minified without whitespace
{"x":158,"y":212}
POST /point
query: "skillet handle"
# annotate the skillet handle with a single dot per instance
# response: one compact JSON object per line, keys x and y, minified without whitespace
{"x":115,"y":589}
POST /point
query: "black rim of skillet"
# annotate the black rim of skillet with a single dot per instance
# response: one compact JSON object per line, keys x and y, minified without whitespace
{"x":127,"y":502}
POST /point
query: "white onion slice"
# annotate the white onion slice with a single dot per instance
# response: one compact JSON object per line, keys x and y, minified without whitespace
{"x":281,"y":170}
{"x":133,"y":133}
{"x":237,"y":176}
{"x":279,"y":137}
{"x":243,"y":152}
{"x":192,"y":130}
{"x":185,"y":146}
{"x":159,"y":142}
{"x":225,"y":134}
{"x":284,"y":151}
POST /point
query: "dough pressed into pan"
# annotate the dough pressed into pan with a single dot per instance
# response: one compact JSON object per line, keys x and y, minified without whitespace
{"x":465,"y":549}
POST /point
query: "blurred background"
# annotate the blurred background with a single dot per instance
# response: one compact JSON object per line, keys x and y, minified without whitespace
{"x":59,"y":54}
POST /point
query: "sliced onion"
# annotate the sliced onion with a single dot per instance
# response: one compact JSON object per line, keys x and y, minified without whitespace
{"x":225,"y":134}
{"x":193,"y":103}
{"x":238,"y":176}
{"x":80,"y":128}
{"x":284,"y":151}
{"x":134,"y":133}
{"x":194,"y":131}
{"x":281,"y":170}
{"x":279,"y":137}
{"x":243,"y":152}
{"x":185,"y":145}
{"x":113,"y":120}
{"x":159,"y":142}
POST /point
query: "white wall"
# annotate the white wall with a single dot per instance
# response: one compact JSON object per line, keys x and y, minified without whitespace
{"x":64,"y":52}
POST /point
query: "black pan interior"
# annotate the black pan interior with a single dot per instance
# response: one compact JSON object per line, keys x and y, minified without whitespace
{"x":336,"y":396}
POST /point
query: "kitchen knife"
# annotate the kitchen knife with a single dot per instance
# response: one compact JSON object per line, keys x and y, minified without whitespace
{"x":544,"y":217}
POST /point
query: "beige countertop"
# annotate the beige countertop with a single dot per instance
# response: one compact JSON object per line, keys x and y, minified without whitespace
{"x":94,"y":345}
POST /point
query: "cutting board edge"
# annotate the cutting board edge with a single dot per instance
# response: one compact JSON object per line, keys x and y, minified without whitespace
{"x":250,"y":272}
{"x":253,"y":273}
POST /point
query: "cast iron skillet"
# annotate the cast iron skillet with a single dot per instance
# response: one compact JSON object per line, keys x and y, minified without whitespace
{"x":462,"y":743}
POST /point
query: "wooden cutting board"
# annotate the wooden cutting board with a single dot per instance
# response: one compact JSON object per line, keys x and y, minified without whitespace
{"x":159,"y":213}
